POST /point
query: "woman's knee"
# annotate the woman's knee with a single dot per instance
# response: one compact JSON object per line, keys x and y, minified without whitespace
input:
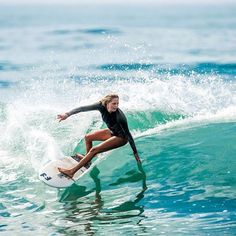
{"x":88,"y":137}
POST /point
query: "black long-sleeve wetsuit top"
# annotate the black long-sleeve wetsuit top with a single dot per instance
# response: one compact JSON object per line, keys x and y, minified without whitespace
{"x":115,"y":121}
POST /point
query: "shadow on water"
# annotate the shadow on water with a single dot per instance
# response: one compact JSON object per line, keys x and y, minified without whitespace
{"x":76,"y":191}
{"x":77,"y":211}
{"x":132,"y":205}
{"x":84,"y":213}
{"x":134,"y":177}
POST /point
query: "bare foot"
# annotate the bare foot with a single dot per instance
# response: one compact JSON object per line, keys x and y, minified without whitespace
{"x":66,"y":172}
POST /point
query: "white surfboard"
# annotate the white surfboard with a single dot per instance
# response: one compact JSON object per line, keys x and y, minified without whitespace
{"x":51,"y":176}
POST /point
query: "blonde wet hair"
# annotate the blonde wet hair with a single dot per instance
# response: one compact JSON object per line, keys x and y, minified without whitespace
{"x":108,"y":98}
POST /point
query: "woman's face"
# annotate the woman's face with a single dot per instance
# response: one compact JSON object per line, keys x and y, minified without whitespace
{"x":113,"y":105}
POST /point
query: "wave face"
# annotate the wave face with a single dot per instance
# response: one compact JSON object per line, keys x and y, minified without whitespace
{"x":176,"y":82}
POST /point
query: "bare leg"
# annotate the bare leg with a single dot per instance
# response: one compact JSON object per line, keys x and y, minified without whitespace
{"x":100,"y":135}
{"x":111,"y":143}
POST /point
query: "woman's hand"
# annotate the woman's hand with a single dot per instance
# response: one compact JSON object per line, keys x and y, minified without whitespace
{"x":137,"y":157}
{"x":62,"y":117}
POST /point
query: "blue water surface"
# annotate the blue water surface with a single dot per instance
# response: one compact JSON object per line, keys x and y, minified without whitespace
{"x":174,"y":68}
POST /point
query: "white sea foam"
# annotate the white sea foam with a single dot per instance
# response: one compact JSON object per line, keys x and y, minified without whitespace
{"x":30,"y":129}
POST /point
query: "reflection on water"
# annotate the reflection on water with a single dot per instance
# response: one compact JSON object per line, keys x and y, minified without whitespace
{"x":85,"y":212}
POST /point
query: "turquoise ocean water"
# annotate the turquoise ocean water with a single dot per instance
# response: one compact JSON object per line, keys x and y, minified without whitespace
{"x":174,"y":68}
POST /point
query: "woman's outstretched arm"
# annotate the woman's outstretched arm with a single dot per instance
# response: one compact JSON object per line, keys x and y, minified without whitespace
{"x":92,"y":107}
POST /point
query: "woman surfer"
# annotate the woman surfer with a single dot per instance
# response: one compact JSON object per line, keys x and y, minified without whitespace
{"x":116,"y":135}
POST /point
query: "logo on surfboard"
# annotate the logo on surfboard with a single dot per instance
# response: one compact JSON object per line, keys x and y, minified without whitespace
{"x":45,"y":176}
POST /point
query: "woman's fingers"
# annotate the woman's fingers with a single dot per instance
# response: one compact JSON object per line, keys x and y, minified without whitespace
{"x":62,"y":117}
